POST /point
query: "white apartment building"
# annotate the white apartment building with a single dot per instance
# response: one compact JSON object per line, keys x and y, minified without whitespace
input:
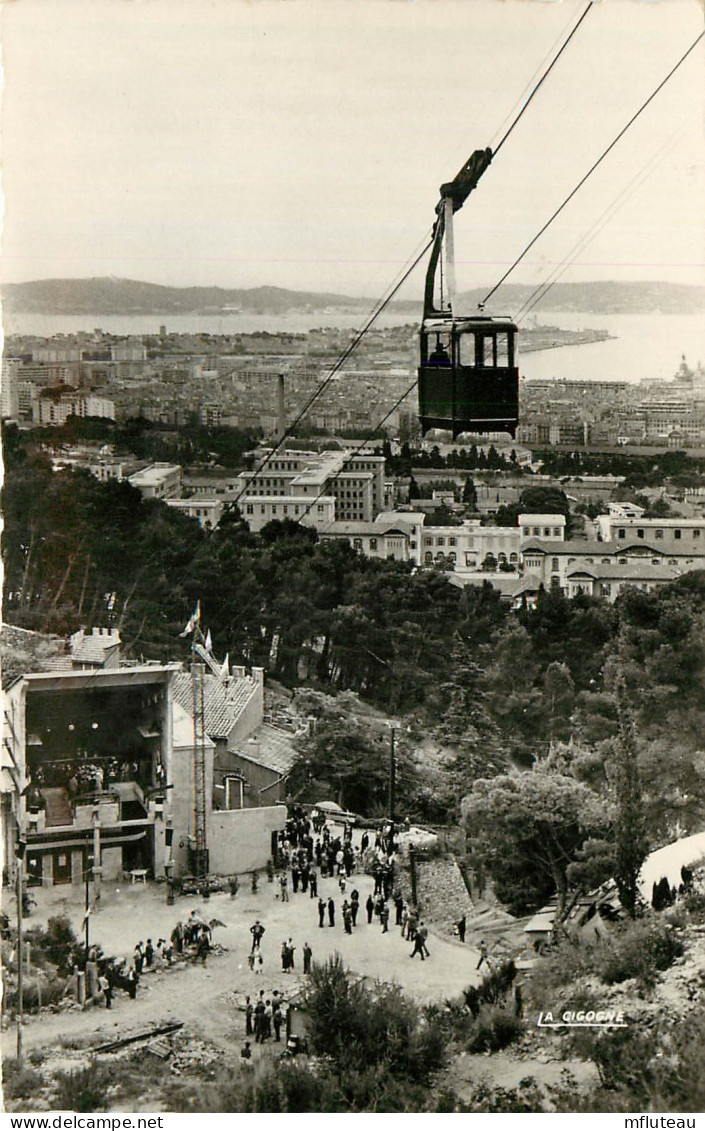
{"x":158,"y":481}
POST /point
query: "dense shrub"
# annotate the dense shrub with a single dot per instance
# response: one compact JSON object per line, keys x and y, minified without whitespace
{"x":359,"y":1028}
{"x":638,"y":950}
{"x":86,"y":1089}
{"x":494,"y":1029}
{"x":20,"y":1081}
{"x":57,"y":944}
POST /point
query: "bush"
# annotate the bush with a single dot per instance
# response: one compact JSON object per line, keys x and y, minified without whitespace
{"x":638,"y":950}
{"x":494,"y":1029}
{"x":86,"y":1089}
{"x":20,"y":1082}
{"x":57,"y":944}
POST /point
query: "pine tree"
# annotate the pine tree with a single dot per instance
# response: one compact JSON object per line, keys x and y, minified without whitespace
{"x":631,"y":845}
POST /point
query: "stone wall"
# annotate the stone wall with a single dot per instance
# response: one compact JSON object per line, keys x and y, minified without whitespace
{"x":442,"y":896}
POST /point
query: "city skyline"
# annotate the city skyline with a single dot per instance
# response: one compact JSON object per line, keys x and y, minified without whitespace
{"x":301,"y":145}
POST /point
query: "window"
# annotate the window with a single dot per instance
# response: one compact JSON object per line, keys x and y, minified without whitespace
{"x":452,"y":541}
{"x":428,"y":557}
{"x":526,"y":531}
{"x":554,"y":564}
{"x":514,"y":557}
{"x":373,"y":545}
{"x":536,"y":531}
{"x":357,"y":545}
{"x":696,"y":534}
{"x":263,"y":509}
{"x":640,"y":532}
{"x":440,"y":541}
{"x":605,"y":561}
{"x":320,"y":508}
{"x":251,"y":509}
{"x":621,"y":533}
{"x":658,"y":534}
{"x":412,"y":545}
{"x":677,"y":533}
{"x":556,"y":531}
{"x":274,"y":508}
{"x":285,"y":510}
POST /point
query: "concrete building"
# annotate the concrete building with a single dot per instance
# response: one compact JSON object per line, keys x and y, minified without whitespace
{"x":206,"y":511}
{"x":555,"y":562}
{"x":681,"y":536}
{"x":99,"y":769}
{"x":158,"y":481}
{"x":54,"y":407}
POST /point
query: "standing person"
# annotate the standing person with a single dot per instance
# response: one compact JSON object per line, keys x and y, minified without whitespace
{"x":267,"y":1020}
{"x":461,"y":925}
{"x":257,"y":931}
{"x":321,"y":912}
{"x":106,"y":987}
{"x":384,"y":918}
{"x":399,"y":908}
{"x":347,"y":918}
{"x":132,"y":982}
{"x":202,"y":948}
{"x":370,"y":906}
{"x":331,"y":913}
{"x":249,"y":1010}
{"x":285,"y":957}
{"x":354,"y":907}
{"x":138,"y":958}
{"x":177,"y":938}
{"x":308,"y":955}
{"x":277,"y":1018}
{"x":295,"y":880}
{"x":484,"y":955}
{"x":404,"y":921}
{"x":283,"y":888}
{"x":364,"y":843}
{"x":313,"y":883}
{"x":259,"y":1021}
{"x":149,"y":953}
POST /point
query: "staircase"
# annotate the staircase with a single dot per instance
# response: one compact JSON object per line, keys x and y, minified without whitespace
{"x":59,"y":810}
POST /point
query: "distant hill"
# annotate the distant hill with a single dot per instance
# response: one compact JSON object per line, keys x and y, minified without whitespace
{"x":103,"y":296}
{"x":600,"y":297}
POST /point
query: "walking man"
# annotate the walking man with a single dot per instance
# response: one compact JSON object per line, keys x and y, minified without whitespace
{"x":308,"y":954}
{"x":418,"y":947}
{"x":331,"y":913}
{"x":370,"y":906}
{"x":484,"y":955}
{"x":461,"y":925}
{"x":257,"y":931}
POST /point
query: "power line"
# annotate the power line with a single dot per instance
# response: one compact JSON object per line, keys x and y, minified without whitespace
{"x":594,"y":166}
{"x":543,"y":78}
{"x":380,"y":305}
{"x":357,"y":338}
{"x":619,"y":201}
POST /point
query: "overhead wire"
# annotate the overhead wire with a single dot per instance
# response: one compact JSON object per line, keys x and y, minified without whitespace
{"x":399,"y":280}
{"x":358,"y":336}
{"x":614,"y":207}
{"x":543,"y":78}
{"x":537,"y":71}
{"x":594,"y":166}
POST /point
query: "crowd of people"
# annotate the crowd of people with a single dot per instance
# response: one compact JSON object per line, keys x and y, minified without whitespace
{"x":308,"y":849}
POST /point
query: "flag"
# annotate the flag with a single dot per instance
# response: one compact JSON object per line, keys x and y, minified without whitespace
{"x":208,"y":642}
{"x":225,"y":670}
{"x":193,"y":620}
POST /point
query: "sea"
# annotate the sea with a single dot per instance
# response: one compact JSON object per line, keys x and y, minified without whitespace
{"x":641,"y":347}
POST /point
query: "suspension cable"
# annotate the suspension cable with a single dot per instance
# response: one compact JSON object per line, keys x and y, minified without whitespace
{"x":619,"y":201}
{"x":352,"y":345}
{"x":594,"y":166}
{"x":519,"y":101}
{"x":543,"y":78}
{"x":357,"y":338}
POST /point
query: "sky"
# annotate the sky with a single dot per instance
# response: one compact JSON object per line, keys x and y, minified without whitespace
{"x":301,"y":143}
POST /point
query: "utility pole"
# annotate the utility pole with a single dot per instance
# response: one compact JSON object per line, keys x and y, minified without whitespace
{"x":392,"y":776}
{"x":20,"y":985}
{"x":87,"y":916}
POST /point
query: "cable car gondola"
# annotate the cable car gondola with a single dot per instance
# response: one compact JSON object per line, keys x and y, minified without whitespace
{"x":468,"y":379}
